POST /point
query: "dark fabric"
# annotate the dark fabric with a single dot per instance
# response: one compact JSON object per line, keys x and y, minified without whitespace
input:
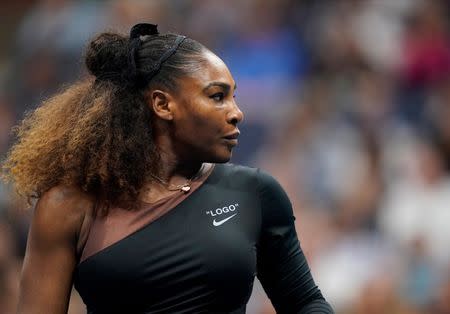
{"x":143,"y":29}
{"x":282,"y":266}
{"x":203,"y":255}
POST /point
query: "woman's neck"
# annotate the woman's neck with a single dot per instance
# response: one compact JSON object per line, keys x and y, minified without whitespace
{"x":174,"y":167}
{"x":174,"y":170}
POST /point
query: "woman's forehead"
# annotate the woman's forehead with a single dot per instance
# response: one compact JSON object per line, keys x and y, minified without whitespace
{"x":212,"y":70}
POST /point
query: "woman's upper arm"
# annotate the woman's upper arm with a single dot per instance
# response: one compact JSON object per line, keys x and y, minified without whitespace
{"x":51,"y":253}
{"x":282,"y":266}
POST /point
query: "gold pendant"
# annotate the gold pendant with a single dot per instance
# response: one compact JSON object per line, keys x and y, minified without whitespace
{"x":185,"y":188}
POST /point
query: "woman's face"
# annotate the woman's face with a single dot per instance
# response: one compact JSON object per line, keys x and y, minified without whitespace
{"x":205,"y":114}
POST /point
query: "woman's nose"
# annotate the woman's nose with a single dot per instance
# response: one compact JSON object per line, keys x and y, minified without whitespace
{"x":235,"y":115}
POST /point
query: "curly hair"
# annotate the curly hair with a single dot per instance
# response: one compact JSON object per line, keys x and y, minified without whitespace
{"x":97,"y":134}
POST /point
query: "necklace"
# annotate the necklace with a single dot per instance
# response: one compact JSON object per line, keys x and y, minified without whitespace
{"x":185,"y":187}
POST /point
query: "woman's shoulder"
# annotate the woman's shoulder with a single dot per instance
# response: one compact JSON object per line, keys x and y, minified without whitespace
{"x":235,"y":169}
{"x":233,"y":174}
{"x":64,"y":206}
{"x":67,"y":198}
{"x":256,"y":177}
{"x":241,"y":170}
{"x":275,"y":203}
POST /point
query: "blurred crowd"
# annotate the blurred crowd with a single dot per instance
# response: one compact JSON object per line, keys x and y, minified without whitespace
{"x":346,"y":102}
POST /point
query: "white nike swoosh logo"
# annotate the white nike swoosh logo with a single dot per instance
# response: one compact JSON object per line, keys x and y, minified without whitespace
{"x":218,"y":223}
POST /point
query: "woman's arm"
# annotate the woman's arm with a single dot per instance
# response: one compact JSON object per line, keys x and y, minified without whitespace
{"x":282,"y":266}
{"x":51,"y":253}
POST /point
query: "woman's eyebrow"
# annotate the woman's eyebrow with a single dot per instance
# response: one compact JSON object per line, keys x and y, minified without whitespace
{"x":225,"y":86}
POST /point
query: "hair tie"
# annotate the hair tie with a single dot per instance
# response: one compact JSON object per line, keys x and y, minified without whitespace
{"x":135,"y":42}
{"x":166,"y":55}
{"x":131,"y":75}
{"x":143,"y":29}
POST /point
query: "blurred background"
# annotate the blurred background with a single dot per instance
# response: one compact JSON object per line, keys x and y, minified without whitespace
{"x":346,"y":102}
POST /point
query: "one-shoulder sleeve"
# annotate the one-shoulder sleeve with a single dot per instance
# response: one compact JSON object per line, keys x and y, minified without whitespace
{"x":281,"y":265}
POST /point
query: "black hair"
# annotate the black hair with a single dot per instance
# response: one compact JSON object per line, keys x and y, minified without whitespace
{"x":124,"y":68}
{"x":110,"y":57}
{"x":98,"y":134}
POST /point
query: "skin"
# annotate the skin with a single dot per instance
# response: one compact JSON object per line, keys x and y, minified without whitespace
{"x":51,"y":251}
{"x":190,"y":126}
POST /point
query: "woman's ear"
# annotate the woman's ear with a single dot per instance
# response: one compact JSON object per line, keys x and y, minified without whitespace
{"x":161,"y":103}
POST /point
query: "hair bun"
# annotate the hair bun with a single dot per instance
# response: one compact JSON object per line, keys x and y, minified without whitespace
{"x":107,"y":54}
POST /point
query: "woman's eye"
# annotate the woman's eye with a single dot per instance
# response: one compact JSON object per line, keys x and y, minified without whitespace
{"x":217,"y":96}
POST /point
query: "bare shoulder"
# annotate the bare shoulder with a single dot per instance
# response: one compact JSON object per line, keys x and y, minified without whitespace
{"x":63,"y":208}
{"x":66,"y":195}
{"x":51,"y":254}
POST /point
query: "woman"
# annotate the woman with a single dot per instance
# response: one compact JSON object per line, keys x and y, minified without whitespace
{"x":135,"y":206}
